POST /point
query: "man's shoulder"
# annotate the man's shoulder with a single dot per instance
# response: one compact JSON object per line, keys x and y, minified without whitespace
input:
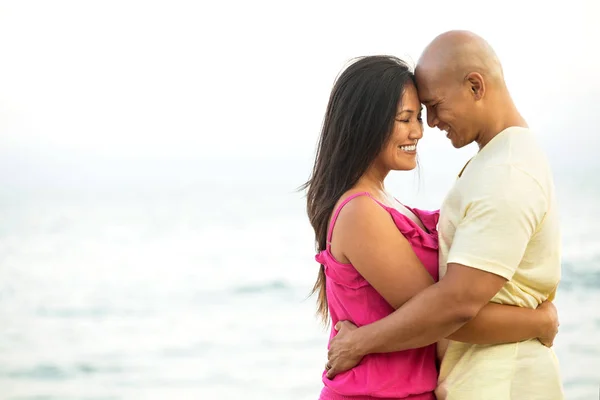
{"x":519,"y":157}
{"x":523,"y":147}
{"x":528,"y":156}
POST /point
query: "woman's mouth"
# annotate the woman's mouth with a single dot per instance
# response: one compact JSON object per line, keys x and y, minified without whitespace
{"x":409,"y":149}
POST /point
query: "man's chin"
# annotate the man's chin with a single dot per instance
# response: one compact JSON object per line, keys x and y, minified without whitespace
{"x":457,"y":144}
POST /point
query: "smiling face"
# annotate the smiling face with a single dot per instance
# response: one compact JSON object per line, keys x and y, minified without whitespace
{"x":450,"y":106}
{"x":400,"y":151}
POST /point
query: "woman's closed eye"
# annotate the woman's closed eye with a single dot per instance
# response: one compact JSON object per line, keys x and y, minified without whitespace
{"x":407,"y":120}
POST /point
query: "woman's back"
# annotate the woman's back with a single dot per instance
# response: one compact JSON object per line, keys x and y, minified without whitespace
{"x":408,"y":374}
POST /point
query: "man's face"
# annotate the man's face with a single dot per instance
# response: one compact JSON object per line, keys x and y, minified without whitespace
{"x":449,"y":106}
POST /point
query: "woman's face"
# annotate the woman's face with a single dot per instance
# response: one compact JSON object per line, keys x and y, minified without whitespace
{"x":400,"y":152}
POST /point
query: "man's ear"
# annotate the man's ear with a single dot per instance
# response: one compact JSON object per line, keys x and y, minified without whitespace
{"x":476,"y":85}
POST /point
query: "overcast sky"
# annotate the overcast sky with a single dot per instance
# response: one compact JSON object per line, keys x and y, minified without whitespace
{"x":242,"y":83}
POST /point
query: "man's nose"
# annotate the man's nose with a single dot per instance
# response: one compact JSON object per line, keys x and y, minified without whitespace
{"x":432,"y":119}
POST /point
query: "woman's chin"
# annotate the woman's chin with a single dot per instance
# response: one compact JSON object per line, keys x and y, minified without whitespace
{"x":406,"y":166}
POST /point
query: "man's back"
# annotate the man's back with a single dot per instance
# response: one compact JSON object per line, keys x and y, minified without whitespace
{"x":501,"y":217}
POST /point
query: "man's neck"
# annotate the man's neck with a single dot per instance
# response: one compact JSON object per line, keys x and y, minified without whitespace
{"x":499,"y":121}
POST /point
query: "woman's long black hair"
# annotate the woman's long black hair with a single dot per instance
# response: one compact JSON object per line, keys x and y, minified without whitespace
{"x":358,"y":123}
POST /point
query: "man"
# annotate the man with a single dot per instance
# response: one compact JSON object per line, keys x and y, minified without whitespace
{"x":498,"y":230}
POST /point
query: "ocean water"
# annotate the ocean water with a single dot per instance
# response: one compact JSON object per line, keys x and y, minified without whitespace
{"x":201,"y":292}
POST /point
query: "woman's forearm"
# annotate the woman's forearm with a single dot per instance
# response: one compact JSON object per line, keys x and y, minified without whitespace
{"x":497,"y":324}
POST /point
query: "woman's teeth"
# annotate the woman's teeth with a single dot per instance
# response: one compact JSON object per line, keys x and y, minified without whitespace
{"x":412,"y":147}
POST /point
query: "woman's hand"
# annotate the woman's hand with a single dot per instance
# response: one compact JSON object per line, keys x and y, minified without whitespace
{"x":550,"y":328}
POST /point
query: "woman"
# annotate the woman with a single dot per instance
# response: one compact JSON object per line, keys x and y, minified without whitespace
{"x":376,"y":253}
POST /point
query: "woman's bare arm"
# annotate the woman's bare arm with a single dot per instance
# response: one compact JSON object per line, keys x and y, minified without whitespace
{"x":497,"y":324}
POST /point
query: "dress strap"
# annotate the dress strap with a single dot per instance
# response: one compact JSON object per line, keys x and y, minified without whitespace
{"x":337,"y":212}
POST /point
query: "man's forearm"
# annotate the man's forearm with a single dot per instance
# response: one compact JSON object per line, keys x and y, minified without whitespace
{"x":426,"y":318}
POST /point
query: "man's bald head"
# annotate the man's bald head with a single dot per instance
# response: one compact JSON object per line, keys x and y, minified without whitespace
{"x":455,"y":54}
{"x":460,"y":81}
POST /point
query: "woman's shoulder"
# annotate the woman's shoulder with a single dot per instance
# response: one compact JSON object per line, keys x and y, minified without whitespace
{"x":357,"y":203}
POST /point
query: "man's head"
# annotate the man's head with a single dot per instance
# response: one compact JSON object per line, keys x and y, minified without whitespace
{"x":460,"y":79}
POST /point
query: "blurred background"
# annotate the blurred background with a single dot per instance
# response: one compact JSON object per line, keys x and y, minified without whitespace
{"x":153,"y":244}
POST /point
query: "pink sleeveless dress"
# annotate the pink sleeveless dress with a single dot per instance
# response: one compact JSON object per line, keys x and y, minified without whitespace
{"x":410,"y":374}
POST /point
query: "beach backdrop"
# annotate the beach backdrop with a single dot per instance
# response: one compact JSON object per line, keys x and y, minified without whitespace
{"x":153,"y":244}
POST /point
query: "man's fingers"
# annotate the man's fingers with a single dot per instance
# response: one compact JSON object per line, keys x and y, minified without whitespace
{"x":339,"y":325}
{"x":331,"y":373}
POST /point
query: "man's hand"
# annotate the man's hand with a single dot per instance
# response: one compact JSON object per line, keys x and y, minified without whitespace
{"x":550,"y":329}
{"x":343,"y":353}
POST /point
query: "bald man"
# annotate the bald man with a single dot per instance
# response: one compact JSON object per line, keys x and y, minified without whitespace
{"x":498,"y":230}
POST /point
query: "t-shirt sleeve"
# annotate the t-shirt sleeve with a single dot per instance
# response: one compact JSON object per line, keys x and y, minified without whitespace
{"x":499,"y":219}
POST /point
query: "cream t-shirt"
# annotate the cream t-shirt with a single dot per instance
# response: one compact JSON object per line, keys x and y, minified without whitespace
{"x":501,"y":217}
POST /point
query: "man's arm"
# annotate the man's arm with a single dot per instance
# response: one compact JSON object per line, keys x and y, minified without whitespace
{"x":431,"y":315}
{"x":427,"y":317}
